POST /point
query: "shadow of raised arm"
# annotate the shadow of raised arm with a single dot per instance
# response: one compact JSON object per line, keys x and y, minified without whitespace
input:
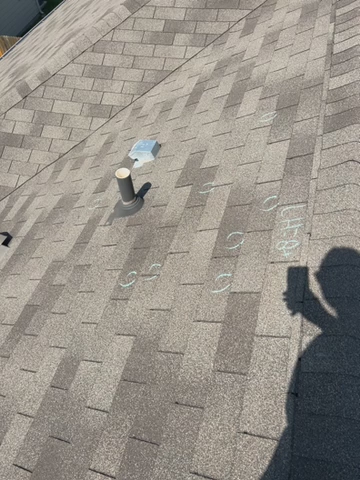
{"x":317,"y":314}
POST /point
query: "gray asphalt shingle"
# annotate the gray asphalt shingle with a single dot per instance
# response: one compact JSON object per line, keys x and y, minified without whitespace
{"x":161,"y":346}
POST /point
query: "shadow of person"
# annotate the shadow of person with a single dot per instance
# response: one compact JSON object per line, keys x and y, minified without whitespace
{"x":322,"y":439}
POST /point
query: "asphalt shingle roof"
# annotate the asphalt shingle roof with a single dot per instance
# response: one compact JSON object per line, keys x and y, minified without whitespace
{"x":160,"y":346}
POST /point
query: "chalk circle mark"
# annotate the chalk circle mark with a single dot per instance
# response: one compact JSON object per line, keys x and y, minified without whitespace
{"x":94,"y":204}
{"x":127,"y":285}
{"x":267,"y":117}
{"x":222,"y":275}
{"x":154,"y":265}
{"x":273,"y":197}
{"x":209,"y":190}
{"x":238,"y":244}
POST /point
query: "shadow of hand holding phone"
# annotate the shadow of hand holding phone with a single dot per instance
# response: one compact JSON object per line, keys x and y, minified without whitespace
{"x":322,"y":440}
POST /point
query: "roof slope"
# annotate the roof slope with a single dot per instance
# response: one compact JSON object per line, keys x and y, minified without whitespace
{"x":188,"y":368}
{"x":62,"y":27}
{"x":57,"y":103}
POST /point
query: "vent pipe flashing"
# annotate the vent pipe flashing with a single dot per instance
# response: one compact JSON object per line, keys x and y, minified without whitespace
{"x":130,"y":203}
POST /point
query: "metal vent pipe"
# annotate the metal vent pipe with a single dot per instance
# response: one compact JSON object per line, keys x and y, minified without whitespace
{"x":126,"y":187}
